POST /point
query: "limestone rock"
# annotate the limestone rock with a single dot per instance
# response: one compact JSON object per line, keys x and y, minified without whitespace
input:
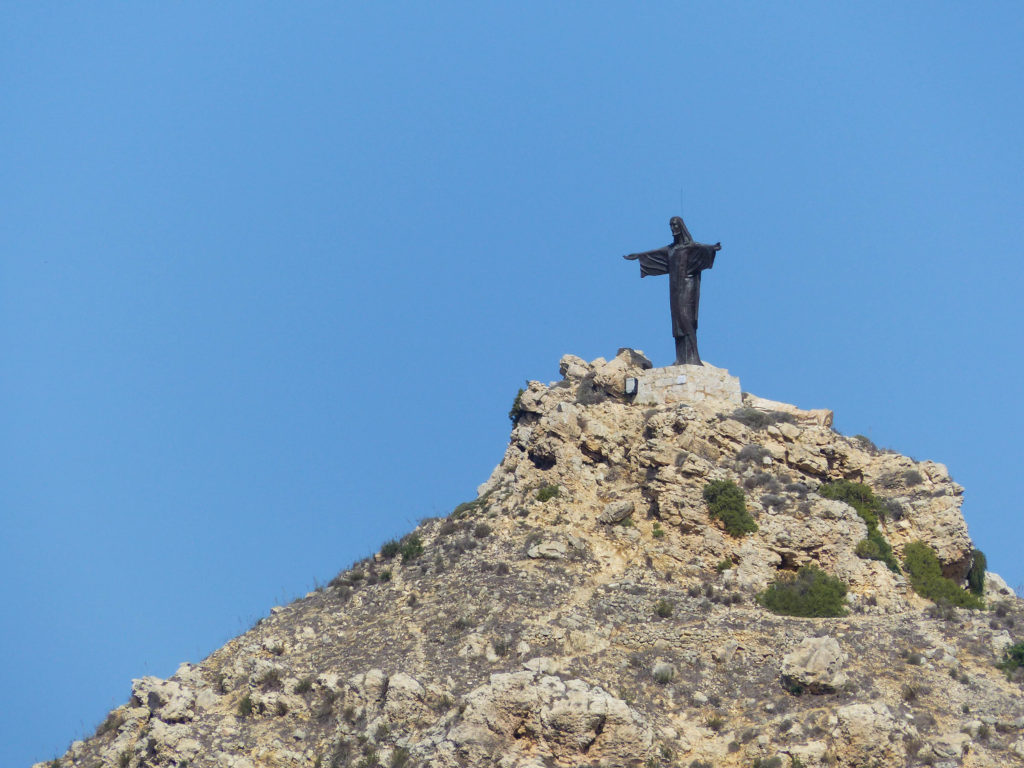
{"x":167,"y":700}
{"x":616,"y":511}
{"x":816,"y":665}
{"x":534,"y":632}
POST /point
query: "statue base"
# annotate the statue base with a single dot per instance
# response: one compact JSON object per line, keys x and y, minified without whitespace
{"x":687,"y":384}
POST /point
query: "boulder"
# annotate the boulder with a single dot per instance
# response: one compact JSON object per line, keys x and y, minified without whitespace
{"x":815,"y":665}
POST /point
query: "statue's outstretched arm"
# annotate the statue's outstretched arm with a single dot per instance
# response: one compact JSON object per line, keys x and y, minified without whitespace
{"x":656,"y":253}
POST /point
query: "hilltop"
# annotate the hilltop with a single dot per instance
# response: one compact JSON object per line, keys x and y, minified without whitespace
{"x":608,"y":600}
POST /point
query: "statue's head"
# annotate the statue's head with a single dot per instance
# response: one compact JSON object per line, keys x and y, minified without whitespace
{"x":679,"y":230}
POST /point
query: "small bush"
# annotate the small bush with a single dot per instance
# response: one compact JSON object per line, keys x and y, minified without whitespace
{"x":305,"y":685}
{"x":390,"y":549}
{"x":811,"y":593}
{"x":482,"y":531}
{"x":516,"y":411}
{"x":753,"y":452}
{"x":658,"y":532}
{"x":245,"y":706}
{"x":548,"y":492}
{"x":664,"y":608}
{"x":412,"y":548}
{"x":400,"y":757}
{"x":871,"y":510}
{"x":768,"y":762}
{"x":912,"y":477}
{"x":726,"y":503}
{"x":271,"y":679}
{"x":976,"y":575}
{"x":716,"y":722}
{"x":663,"y":674}
{"x":723,"y":565}
{"x":925,"y":573}
{"x":1013,"y":659}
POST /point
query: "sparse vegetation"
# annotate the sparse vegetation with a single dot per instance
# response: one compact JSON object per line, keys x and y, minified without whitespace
{"x":872,"y":511}
{"x":658,"y":532}
{"x":548,"y":492}
{"x":925,"y":573}
{"x":810,"y":593}
{"x":664,"y":608}
{"x":726,"y":503}
{"x":756,"y":419}
{"x":723,"y":565}
{"x":305,"y":685}
{"x":112,"y":722}
{"x":412,"y":547}
{"x":754,"y":453}
{"x":390,"y":548}
{"x":866,"y":443}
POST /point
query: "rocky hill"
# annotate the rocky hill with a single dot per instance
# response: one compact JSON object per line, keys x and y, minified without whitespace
{"x":592,"y":608}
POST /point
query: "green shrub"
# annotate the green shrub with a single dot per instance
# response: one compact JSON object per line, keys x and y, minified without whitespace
{"x":871,"y":510}
{"x":245,"y":706}
{"x":726,"y":503}
{"x":1013,"y":658}
{"x":390,"y":549}
{"x":812,"y":593}
{"x":658,"y":532}
{"x":516,"y":412}
{"x":548,"y":492}
{"x":663,"y":608}
{"x":305,"y":685}
{"x":976,"y":575}
{"x":724,"y":565}
{"x":412,"y":548}
{"x":925,"y":573}
{"x":858,"y":496}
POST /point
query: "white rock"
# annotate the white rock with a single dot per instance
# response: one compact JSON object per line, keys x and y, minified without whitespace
{"x":816,"y":664}
{"x":169,"y":701}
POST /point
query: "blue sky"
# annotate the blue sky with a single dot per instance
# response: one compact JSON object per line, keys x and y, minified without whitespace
{"x":270,"y":275}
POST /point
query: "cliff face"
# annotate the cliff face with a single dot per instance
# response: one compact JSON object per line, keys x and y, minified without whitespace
{"x":586,"y":610}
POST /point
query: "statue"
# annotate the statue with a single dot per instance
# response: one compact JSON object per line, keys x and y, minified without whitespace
{"x":683,"y":260}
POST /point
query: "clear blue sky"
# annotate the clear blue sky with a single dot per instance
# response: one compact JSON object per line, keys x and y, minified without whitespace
{"x":271,"y":273}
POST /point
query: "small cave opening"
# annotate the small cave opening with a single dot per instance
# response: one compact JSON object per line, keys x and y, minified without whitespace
{"x":542,"y":461}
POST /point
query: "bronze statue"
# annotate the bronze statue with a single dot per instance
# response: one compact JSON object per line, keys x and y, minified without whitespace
{"x":683,"y":260}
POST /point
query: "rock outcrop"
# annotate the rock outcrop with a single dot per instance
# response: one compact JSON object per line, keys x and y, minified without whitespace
{"x":585,"y":610}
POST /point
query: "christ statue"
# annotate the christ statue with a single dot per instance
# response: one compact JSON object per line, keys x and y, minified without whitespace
{"x":683,"y":260}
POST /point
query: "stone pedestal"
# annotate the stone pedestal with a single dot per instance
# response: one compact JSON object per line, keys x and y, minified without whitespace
{"x":687,"y":384}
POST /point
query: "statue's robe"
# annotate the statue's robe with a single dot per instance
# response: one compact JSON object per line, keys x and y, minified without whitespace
{"x":683,"y":264}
